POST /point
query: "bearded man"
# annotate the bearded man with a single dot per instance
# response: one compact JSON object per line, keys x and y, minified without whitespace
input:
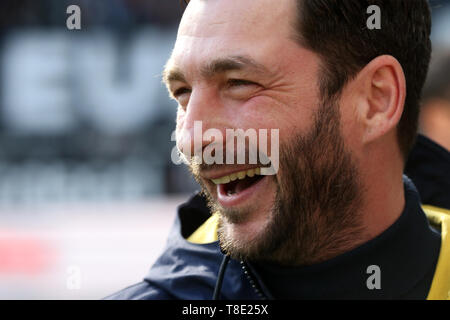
{"x":338,"y":220}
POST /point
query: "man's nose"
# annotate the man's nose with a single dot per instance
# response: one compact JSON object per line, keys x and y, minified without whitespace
{"x":202,"y":113}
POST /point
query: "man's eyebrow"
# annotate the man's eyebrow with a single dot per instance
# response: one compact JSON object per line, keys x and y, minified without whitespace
{"x":217,"y":66}
{"x":222,"y":65}
{"x":173,"y":74}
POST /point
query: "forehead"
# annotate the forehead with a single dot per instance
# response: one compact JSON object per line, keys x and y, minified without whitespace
{"x":217,"y":28}
{"x":209,"y":17}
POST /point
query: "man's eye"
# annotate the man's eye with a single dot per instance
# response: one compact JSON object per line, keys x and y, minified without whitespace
{"x":182,"y":96}
{"x":181,"y":91}
{"x":240,"y":82}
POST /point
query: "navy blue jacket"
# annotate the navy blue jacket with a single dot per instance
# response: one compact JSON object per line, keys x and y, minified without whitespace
{"x":407,"y":254}
{"x":428,"y":166}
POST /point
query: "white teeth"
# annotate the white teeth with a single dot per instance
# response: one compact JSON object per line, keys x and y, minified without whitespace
{"x":222,"y":180}
{"x":241,"y":175}
{"x":238,"y":175}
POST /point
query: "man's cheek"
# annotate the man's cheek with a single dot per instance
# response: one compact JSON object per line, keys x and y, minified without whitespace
{"x":180,"y":119}
{"x":179,"y":123}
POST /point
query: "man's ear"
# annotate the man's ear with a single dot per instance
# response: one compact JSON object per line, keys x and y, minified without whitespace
{"x":382,"y":92}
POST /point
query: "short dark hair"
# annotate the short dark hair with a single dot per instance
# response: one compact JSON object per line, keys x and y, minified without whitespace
{"x":337,"y":31}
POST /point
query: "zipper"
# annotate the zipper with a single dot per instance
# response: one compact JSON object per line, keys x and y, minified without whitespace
{"x":253,"y":281}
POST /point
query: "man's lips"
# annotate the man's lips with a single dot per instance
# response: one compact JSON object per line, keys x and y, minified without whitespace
{"x":235,"y":170}
{"x":235,"y":185}
{"x":239,"y":192}
{"x":241,"y":175}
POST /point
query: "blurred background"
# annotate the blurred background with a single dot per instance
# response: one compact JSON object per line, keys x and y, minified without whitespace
{"x":88,"y":190}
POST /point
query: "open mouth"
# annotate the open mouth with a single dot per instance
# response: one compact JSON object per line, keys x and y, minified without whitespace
{"x":238,"y":183}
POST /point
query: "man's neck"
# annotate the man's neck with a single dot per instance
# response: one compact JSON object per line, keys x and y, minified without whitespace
{"x":384,"y":198}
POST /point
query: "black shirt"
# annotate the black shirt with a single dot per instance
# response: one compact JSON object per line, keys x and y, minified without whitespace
{"x":406,"y":254}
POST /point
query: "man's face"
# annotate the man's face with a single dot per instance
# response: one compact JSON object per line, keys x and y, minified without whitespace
{"x":236,"y":65}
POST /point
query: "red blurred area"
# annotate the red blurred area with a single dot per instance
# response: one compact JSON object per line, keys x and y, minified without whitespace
{"x":22,"y":254}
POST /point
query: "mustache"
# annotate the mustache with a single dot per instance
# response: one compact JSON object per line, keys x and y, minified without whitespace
{"x":216,"y":155}
{"x":267,"y":166}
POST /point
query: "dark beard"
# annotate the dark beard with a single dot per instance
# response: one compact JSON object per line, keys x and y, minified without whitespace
{"x":315,"y":215}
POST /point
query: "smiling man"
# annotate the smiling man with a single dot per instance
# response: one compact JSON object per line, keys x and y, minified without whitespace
{"x":345,"y":101}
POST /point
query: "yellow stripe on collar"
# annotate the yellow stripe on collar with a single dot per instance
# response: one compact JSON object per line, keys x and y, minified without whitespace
{"x":207,"y":232}
{"x":440,"y":287}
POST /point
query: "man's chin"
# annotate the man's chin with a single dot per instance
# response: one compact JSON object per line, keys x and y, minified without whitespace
{"x":241,"y":230}
{"x":244,"y":217}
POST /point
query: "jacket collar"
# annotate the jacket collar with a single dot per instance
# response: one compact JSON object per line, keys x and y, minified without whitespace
{"x":428,"y":166}
{"x":405,"y":256}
